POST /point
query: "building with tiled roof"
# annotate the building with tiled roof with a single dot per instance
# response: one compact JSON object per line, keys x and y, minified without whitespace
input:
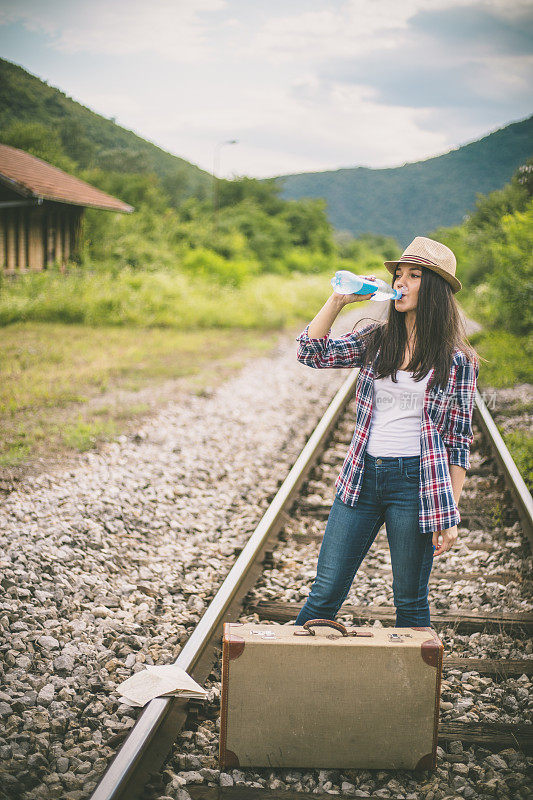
{"x":41,"y":208}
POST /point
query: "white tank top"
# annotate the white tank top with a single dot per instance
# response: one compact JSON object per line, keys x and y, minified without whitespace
{"x":397,"y":415}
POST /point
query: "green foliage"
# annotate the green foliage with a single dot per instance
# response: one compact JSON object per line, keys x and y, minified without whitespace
{"x":521,"y":448}
{"x":494,"y":251}
{"x":264,"y":193}
{"x":510,"y":282}
{"x":214,"y":268}
{"x":508,"y":358}
{"x":82,"y":435}
{"x":366,"y":247}
{"x":142,"y":240}
{"x":267,"y":236}
{"x":491,"y":208}
{"x":305,"y":262}
{"x":308,"y":225}
{"x":76,"y":144}
{"x":178,"y":186}
{"x":124,"y":159}
{"x":135,"y":188}
{"x":39,"y":140}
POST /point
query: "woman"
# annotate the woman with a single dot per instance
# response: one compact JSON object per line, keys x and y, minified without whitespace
{"x":413,"y":429}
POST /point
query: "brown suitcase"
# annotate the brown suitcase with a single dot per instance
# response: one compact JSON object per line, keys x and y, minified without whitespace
{"x":322,"y":696}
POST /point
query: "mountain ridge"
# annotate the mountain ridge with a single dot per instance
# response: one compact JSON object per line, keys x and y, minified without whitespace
{"x":417,"y":197}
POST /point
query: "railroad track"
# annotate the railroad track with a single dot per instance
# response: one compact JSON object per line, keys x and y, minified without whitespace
{"x":285,"y":543}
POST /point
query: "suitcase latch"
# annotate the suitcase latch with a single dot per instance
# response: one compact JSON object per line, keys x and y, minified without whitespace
{"x":395,"y":637}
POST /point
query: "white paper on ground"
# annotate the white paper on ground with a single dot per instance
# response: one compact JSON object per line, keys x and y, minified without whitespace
{"x":126,"y":702}
{"x":158,"y":681}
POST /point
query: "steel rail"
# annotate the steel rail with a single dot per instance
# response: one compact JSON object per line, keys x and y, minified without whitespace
{"x":152,"y":736}
{"x":512,"y":476}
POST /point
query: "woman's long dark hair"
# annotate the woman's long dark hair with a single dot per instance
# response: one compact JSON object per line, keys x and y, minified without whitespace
{"x":439,"y":328}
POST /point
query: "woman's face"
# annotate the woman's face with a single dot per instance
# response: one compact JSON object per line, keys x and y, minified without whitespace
{"x":407,"y":277}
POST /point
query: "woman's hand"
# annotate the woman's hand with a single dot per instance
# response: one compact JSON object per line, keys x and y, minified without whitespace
{"x":447,"y":538}
{"x":356,"y":298}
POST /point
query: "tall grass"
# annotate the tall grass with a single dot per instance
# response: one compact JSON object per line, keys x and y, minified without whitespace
{"x":171,"y":299}
{"x":160,"y":299}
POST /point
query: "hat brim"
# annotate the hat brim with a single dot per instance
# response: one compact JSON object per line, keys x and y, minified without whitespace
{"x":451,"y":279}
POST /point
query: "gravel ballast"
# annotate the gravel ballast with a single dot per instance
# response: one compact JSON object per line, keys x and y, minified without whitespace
{"x":108,"y":565}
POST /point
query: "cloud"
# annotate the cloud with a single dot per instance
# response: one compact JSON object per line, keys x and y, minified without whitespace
{"x":338,"y":29}
{"x":393,"y":81}
{"x":477,"y":29}
{"x":178,"y":31}
{"x":353,"y":27}
{"x":469,"y":59}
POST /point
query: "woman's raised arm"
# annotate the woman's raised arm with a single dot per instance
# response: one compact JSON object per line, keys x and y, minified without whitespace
{"x":327,"y":315}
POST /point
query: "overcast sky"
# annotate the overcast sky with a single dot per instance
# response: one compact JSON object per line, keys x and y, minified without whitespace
{"x":304,"y":85}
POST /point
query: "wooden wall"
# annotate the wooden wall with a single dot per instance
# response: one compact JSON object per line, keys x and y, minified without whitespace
{"x":35,"y":237}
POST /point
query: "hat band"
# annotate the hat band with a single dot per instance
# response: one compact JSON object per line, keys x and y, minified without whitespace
{"x":418,"y":258}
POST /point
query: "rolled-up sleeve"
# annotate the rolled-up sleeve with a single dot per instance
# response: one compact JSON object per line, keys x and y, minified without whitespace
{"x":323,"y":352}
{"x":459,"y":435}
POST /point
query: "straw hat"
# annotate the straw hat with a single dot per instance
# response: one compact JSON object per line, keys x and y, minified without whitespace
{"x":430,"y":254}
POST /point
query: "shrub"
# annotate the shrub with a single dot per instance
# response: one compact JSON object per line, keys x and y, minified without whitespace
{"x":208,"y":265}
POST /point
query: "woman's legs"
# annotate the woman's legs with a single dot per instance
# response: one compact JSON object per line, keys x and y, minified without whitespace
{"x":411,"y":551}
{"x":348,"y":536}
{"x":390,"y":493}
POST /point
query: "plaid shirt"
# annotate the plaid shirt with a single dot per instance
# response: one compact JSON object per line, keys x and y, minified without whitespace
{"x":445,"y":431}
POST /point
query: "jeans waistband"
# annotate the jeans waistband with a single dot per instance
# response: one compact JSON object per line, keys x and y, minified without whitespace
{"x":395,"y":461}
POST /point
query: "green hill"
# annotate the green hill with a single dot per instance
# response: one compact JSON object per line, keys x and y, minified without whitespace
{"x":88,"y":138}
{"x":414,"y":199}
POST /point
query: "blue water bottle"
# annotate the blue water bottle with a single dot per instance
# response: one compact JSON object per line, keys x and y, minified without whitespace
{"x":345,"y":282}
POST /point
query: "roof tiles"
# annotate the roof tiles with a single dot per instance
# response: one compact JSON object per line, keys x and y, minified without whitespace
{"x":33,"y":177}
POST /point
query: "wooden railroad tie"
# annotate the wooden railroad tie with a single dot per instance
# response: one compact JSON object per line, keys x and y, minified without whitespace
{"x":452,"y":575}
{"x":464,"y":621}
{"x":483,"y":733}
{"x":497,"y":667}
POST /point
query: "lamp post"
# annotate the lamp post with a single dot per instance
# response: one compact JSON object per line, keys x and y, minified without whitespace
{"x":216,"y":167}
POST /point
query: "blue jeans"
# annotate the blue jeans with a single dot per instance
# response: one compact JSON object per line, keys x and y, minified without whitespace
{"x":389,"y":493}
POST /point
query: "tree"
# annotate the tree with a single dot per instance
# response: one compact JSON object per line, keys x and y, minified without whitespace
{"x":511,"y":278}
{"x":309,"y":225}
{"x":524,"y":176}
{"x":76,"y":144}
{"x":40,"y":141}
{"x":124,"y":159}
{"x":265,"y":193}
{"x":177,"y":186}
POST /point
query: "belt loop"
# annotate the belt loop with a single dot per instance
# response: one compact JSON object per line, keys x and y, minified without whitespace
{"x":401,"y":464}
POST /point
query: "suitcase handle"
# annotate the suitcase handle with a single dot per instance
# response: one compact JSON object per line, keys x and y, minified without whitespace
{"x":331,"y":623}
{"x":321,"y":623}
